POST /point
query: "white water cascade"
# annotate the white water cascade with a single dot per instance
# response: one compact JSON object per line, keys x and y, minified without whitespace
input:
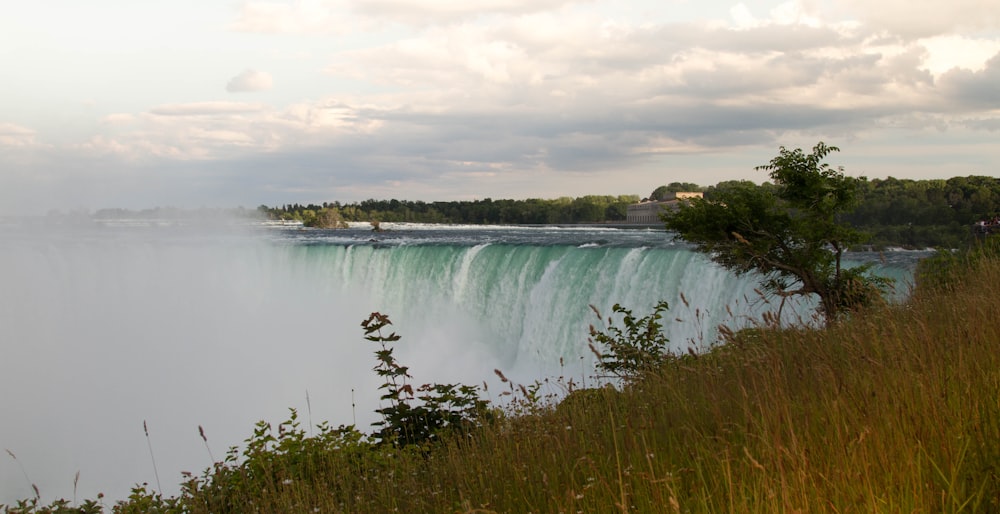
{"x":105,"y":328}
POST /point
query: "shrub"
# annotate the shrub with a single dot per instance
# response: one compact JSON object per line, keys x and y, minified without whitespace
{"x":418,"y":417}
{"x":633,"y":350}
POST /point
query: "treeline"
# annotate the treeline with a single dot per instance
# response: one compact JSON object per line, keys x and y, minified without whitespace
{"x":918,"y":213}
{"x":585,"y":209}
{"x":896,"y":212}
{"x":925,"y":213}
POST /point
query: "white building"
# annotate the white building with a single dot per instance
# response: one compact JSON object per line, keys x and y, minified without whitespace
{"x":648,"y":212}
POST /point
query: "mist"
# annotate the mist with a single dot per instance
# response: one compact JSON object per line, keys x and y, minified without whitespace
{"x":103,"y":329}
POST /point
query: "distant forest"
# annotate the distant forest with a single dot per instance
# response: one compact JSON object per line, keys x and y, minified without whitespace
{"x":585,"y":209}
{"x":896,"y":212}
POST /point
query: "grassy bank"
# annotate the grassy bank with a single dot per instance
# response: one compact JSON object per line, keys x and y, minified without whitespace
{"x":897,"y":410}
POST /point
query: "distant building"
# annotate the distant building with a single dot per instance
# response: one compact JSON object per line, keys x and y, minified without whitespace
{"x":648,"y":212}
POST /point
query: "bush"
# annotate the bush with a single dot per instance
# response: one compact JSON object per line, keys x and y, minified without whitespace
{"x":441,"y":407}
{"x":631,"y":351}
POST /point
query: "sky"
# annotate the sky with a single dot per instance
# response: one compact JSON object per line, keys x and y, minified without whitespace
{"x":139,"y":104}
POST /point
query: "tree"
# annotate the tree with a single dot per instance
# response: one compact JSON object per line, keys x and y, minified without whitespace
{"x":788,"y":231}
{"x":659,"y":193}
{"x":662,"y":192}
{"x":308,"y":217}
{"x":329,"y":217}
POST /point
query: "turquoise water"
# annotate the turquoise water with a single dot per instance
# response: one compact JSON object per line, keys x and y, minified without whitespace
{"x":527,"y":291}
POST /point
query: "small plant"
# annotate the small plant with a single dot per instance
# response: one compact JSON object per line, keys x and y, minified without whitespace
{"x":62,"y":506}
{"x":271,"y":462}
{"x":633,"y":350}
{"x":441,"y":407}
{"x":142,"y":500}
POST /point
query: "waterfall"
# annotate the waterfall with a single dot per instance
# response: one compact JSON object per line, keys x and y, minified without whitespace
{"x":106,"y":328}
{"x":529,"y":304}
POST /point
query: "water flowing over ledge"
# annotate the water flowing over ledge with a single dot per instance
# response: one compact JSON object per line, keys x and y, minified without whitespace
{"x":104,"y":328}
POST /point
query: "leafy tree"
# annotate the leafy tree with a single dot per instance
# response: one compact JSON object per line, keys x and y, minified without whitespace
{"x":328,"y":217}
{"x":662,"y":192}
{"x":659,"y":193}
{"x":309,"y":217}
{"x":789,"y":232}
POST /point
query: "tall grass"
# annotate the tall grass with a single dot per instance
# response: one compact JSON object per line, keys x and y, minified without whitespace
{"x":895,"y":410}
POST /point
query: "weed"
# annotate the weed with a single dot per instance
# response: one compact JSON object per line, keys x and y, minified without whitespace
{"x":633,"y":350}
{"x":441,"y":407}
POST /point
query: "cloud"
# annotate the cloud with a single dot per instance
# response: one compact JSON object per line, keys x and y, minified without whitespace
{"x":16,"y":136}
{"x":301,"y":16}
{"x":584,"y":96}
{"x":330,"y":17}
{"x":448,"y":11}
{"x":788,"y":13}
{"x":205,"y":109}
{"x":583,"y":65}
{"x":976,"y":91}
{"x":249,"y":80}
{"x":948,"y":52}
{"x":914,"y":19}
{"x":119,"y":118}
